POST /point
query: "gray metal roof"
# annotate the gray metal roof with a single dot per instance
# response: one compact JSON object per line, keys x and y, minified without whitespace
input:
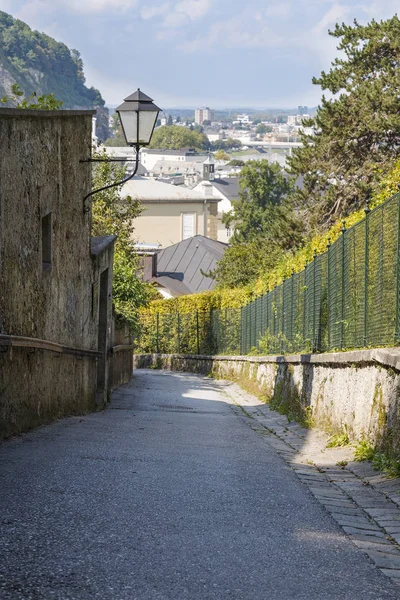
{"x":229,"y":187}
{"x":179,"y":267}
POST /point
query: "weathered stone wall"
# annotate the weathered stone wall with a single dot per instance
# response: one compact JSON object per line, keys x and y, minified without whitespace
{"x":121,"y":356}
{"x":40,"y":173}
{"x":56,"y":301}
{"x":37,"y":386}
{"x":358,"y":391}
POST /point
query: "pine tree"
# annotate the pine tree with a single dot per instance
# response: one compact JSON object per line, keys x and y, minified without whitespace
{"x":357,"y":129}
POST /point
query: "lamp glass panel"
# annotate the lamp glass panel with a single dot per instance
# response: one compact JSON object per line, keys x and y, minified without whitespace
{"x":147,"y":120}
{"x":129,"y":125}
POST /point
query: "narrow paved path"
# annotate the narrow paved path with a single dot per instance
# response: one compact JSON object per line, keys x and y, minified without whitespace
{"x":168,"y":494}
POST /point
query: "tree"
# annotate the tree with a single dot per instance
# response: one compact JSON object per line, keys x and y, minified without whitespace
{"x":356,"y":132}
{"x":206,"y":122}
{"x":236,"y":162}
{"x":262,"y":129}
{"x":112,"y":214}
{"x":221,"y":155}
{"x":263,"y":210}
{"x":176,"y":137}
{"x":226,"y":144}
{"x":243,"y":263}
{"x":34,"y":101}
{"x":264,"y":222}
{"x":169,"y":121}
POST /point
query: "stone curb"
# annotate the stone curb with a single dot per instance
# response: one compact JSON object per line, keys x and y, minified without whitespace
{"x":387,"y":357}
{"x":364,"y":502}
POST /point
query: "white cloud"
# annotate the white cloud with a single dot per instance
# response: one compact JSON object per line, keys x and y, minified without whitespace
{"x":243,"y":31}
{"x":282,"y":11}
{"x":334,"y":15}
{"x":32,"y":9}
{"x":185,"y":12}
{"x":194,"y":9}
{"x":149,"y":12}
{"x":99,"y":6}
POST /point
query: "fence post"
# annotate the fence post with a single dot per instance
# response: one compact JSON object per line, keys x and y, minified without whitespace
{"x":210,"y":333}
{"x":283,"y":317}
{"x":197,"y":332}
{"x":397,"y":331}
{"x":292,"y":312}
{"x":157,"y":334}
{"x":241,"y":330}
{"x":343,"y":293}
{"x":367,"y":210}
{"x":328,"y":292}
{"x":179,"y":333}
{"x":314,"y":348}
{"x":305,"y":303}
{"x":225,"y":331}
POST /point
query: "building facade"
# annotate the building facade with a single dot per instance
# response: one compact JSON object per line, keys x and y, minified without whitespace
{"x":172,"y":213}
{"x":204,"y":114}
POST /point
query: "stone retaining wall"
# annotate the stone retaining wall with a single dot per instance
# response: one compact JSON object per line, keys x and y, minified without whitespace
{"x":356,"y":391}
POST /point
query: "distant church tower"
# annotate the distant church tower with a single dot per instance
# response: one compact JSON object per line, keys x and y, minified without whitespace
{"x":209,"y":169}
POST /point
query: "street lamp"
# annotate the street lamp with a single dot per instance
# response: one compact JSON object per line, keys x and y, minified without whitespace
{"x":138,"y":116}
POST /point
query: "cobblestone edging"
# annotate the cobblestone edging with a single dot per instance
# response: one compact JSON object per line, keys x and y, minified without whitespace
{"x":365,"y":503}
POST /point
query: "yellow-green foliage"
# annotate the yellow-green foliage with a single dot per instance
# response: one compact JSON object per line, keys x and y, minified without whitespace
{"x":234,"y":298}
{"x":297,"y":260}
{"x":202,"y":302}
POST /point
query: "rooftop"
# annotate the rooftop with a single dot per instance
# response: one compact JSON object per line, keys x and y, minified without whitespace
{"x":180,"y":267}
{"x":151,"y":190}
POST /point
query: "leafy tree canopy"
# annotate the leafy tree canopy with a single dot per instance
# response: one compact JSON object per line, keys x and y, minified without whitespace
{"x":176,"y":137}
{"x":242,"y":263}
{"x":357,"y":129}
{"x":262,"y":211}
{"x":221,"y":155}
{"x":226,"y":144}
{"x":265,"y":224}
{"x":33,"y":101}
{"x":262,"y":129}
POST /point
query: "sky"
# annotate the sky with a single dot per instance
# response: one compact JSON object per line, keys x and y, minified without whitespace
{"x":188,"y":53}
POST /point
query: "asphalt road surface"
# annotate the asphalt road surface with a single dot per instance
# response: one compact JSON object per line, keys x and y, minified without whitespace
{"x":168,"y":494}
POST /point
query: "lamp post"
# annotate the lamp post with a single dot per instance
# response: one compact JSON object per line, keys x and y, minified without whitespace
{"x":138,"y":116}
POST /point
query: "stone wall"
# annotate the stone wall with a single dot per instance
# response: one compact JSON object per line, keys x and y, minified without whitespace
{"x":354,"y":391}
{"x":121,"y":356}
{"x":38,"y":386}
{"x":49,"y":275}
{"x":40,"y":173}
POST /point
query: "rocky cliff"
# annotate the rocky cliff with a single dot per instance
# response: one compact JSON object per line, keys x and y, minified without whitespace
{"x":37,"y":62}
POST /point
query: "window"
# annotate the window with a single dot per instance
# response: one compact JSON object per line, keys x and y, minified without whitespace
{"x":188,"y":225}
{"x":228,"y":232}
{"x":46,"y":241}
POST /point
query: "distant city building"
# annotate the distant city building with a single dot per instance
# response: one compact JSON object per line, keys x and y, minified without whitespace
{"x":302,"y":110}
{"x":204,"y":114}
{"x":243,"y":120}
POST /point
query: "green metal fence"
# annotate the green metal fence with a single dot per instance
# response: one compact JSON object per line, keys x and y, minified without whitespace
{"x":347,"y":297}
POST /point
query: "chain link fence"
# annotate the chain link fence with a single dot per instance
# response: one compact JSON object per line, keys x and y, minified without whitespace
{"x":347,"y":297}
